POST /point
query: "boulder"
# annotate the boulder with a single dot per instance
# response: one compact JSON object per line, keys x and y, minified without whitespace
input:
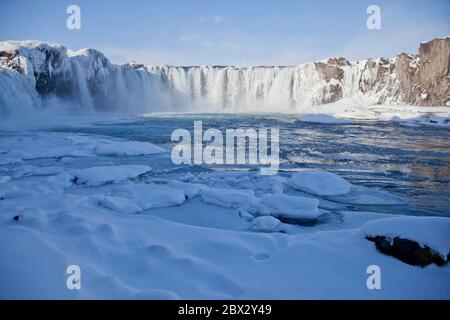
{"x":408,"y":251}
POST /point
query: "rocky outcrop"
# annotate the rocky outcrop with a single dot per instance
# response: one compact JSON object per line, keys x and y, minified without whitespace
{"x":408,"y":251}
{"x":333,"y":73}
{"x":433,"y":75}
{"x":422,"y":79}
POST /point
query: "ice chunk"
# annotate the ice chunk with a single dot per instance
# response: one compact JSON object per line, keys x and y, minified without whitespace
{"x":147,"y":196}
{"x":126,"y":148}
{"x":191,"y":190}
{"x":321,"y":183}
{"x":266,"y":224}
{"x":228,"y":198}
{"x":62,"y":181}
{"x":107,"y":174}
{"x":291,"y":206}
{"x":119,"y":204}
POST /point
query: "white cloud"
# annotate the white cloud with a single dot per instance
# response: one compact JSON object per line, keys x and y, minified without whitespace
{"x":218,"y":18}
{"x":229,"y":44}
{"x":207,"y":43}
{"x":188,"y":36}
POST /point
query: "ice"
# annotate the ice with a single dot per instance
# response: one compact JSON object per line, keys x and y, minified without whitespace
{"x":61,"y":181}
{"x":108,"y":174}
{"x":147,"y":196}
{"x":291,"y":206}
{"x":430,"y":231}
{"x":267,"y":224}
{"x":196,"y":236}
{"x":30,"y":170}
{"x":366,"y":196}
{"x":128,"y":148}
{"x":7,"y":160}
{"x":229,"y":198}
{"x":320,"y":183}
{"x":323,"y":118}
{"x":119,"y":204}
{"x":191,"y":190}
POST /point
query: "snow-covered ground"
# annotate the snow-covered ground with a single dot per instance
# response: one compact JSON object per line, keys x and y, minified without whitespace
{"x":138,"y":228}
{"x":348,"y":110}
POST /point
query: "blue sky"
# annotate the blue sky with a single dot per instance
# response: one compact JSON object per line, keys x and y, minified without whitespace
{"x":245,"y":32}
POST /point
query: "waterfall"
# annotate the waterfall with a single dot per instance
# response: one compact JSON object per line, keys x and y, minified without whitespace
{"x":87,"y":79}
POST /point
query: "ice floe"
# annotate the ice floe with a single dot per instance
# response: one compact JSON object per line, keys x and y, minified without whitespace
{"x":107,"y":174}
{"x":145,"y":196}
{"x":291,"y":206}
{"x":267,"y":224}
{"x":128,"y":148}
{"x":320,"y":183}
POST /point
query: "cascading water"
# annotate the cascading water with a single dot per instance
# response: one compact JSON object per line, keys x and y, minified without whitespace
{"x":31,"y":73}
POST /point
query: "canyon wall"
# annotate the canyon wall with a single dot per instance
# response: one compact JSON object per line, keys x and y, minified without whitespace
{"x":34,"y":74}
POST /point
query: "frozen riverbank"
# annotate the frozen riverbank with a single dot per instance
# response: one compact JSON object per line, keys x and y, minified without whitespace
{"x":140,"y":227}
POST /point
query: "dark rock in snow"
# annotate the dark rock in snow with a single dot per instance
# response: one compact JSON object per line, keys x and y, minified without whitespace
{"x":408,"y":251}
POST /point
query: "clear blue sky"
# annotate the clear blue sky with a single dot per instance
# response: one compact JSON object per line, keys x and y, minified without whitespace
{"x":244,"y":32}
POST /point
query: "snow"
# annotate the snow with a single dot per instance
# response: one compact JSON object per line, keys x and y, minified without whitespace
{"x":161,"y":234}
{"x":107,"y":174}
{"x":320,"y":183}
{"x":430,"y":231}
{"x":139,"y":229}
